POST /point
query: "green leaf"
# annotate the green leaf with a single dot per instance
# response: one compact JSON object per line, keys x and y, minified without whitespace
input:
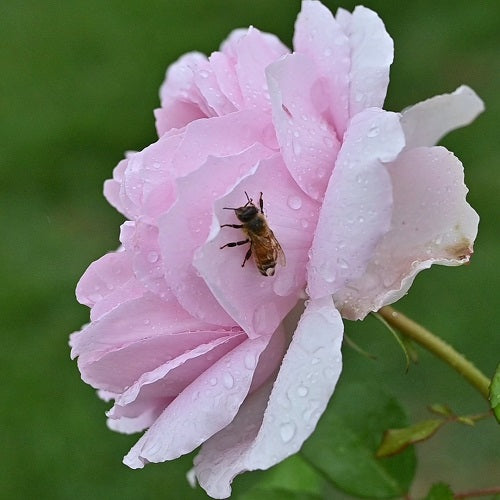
{"x":495,"y":394}
{"x":277,"y":494}
{"x":440,"y":491}
{"x":396,"y":440}
{"x":293,"y":476}
{"x":344,"y":444}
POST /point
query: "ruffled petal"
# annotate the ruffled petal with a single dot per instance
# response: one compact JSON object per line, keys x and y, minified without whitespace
{"x":259,"y":303}
{"x":431,"y":224}
{"x":135,"y":321}
{"x":254,"y":53}
{"x":428,"y":121}
{"x":181,"y":99}
{"x":272,"y":425}
{"x":322,"y":39}
{"x":186,"y":227}
{"x":309,"y":144}
{"x":372,"y":53}
{"x":356,"y":211}
{"x":196,"y":414}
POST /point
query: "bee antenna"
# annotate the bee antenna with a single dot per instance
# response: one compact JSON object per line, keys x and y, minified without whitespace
{"x":248,"y":198}
{"x":229,"y":208}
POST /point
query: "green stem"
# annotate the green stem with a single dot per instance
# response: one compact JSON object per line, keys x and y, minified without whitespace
{"x":438,"y":347}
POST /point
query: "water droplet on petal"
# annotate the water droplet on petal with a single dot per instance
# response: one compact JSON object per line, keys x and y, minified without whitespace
{"x":302,"y":391}
{"x":294,"y":202}
{"x":373,"y":131}
{"x":304,"y":223}
{"x":213,"y":381}
{"x":153,"y":257}
{"x":296,"y":148}
{"x":343,"y":264}
{"x":250,"y":361}
{"x":328,"y":142}
{"x":228,"y":380}
{"x":287,"y":431}
{"x":329,"y":373}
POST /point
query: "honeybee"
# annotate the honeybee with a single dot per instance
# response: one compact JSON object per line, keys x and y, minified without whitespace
{"x":264,"y":246}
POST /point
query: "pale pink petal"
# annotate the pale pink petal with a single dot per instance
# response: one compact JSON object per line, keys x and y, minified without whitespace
{"x":372,"y":53}
{"x":308,"y":142}
{"x":146,"y":414}
{"x":140,"y":174}
{"x":259,"y":303}
{"x":181,"y":99}
{"x":171,"y":378}
{"x":321,"y":38}
{"x":432,"y":224}
{"x":140,"y":239}
{"x":196,"y":414}
{"x":254,"y":52}
{"x":227,"y":78}
{"x":186,"y":227}
{"x":206,"y":80}
{"x":428,"y":121}
{"x":112,"y":188}
{"x":134,"y":321}
{"x":356,"y":211}
{"x":270,"y":428}
{"x":221,"y":136}
{"x":111,"y":271}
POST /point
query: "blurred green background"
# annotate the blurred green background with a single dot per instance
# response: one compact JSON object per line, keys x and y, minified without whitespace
{"x":78,"y":82}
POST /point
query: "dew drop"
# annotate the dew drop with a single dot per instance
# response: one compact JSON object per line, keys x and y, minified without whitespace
{"x":287,"y":431}
{"x":146,"y":321}
{"x":327,"y":141}
{"x":297,"y":148}
{"x":228,"y":380}
{"x":294,"y":202}
{"x":302,"y":391}
{"x":250,"y":361}
{"x":373,"y":131}
{"x":343,"y":264}
{"x":153,"y":257}
{"x":315,"y":361}
{"x":213,"y":381}
{"x":304,"y":223}
{"x":329,"y":373}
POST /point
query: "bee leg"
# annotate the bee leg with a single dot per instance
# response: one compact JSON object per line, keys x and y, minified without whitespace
{"x":247,"y":255}
{"x":235,"y":243}
{"x":236,"y":226}
{"x":261,"y":203}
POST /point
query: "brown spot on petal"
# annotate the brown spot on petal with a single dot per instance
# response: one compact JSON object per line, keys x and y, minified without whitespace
{"x":462,"y":250}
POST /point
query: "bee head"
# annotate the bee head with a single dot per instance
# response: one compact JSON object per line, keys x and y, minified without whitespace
{"x":246,"y":213}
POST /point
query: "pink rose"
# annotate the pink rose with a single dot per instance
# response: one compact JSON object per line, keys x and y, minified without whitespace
{"x":192,"y":346}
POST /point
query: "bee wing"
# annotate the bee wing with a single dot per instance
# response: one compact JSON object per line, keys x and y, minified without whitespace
{"x":278,"y":251}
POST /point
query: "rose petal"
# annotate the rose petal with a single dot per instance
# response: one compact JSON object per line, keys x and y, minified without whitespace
{"x":171,"y":378}
{"x":259,"y":303}
{"x":220,"y":136}
{"x":426,"y":122}
{"x":181,"y":99}
{"x":179,"y":429}
{"x":308,"y":143}
{"x":145,"y":417}
{"x":432,"y":224}
{"x":134,"y":321}
{"x":356,"y":211}
{"x":188,"y":225}
{"x":321,"y":38}
{"x":254,"y":53}
{"x":140,"y":239}
{"x":372,"y":53}
{"x":260,"y":436}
